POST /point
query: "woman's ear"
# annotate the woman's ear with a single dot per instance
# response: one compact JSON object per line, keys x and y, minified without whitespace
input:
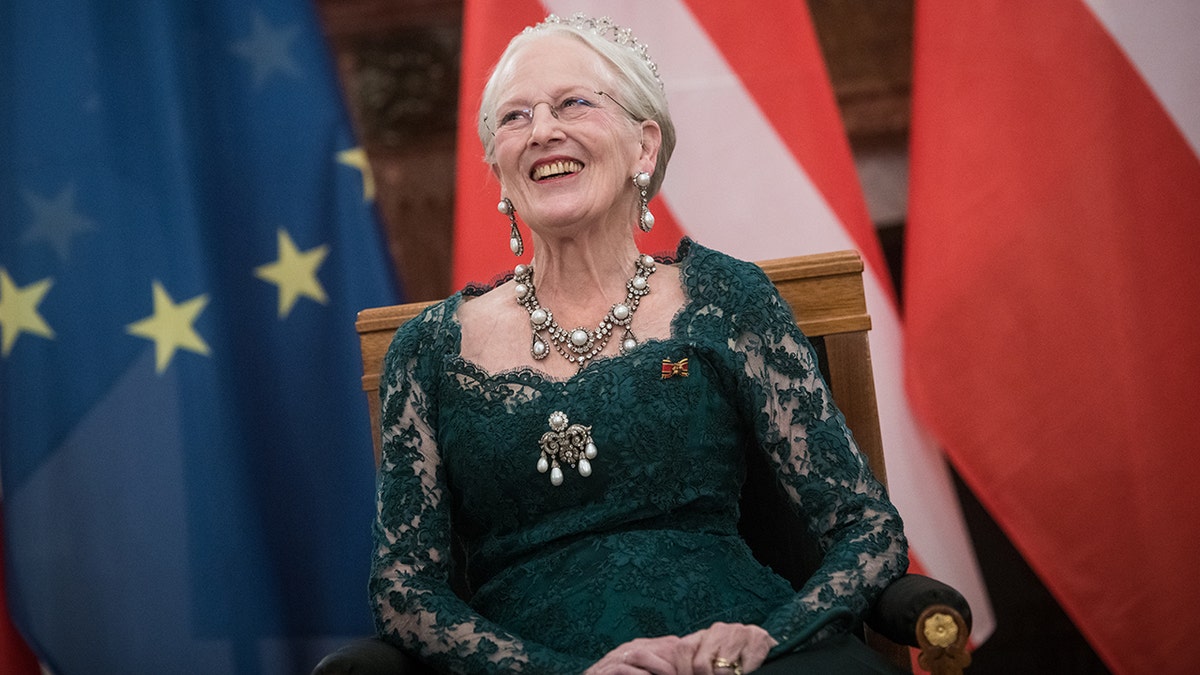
{"x":651,"y":141}
{"x":496,"y":171}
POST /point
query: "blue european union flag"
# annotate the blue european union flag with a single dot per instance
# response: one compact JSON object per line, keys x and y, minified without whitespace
{"x":186,"y":234}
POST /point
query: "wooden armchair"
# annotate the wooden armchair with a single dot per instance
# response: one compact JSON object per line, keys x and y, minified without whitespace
{"x":826,"y":295}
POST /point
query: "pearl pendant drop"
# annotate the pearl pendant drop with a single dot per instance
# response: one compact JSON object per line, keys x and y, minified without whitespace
{"x":556,"y":476}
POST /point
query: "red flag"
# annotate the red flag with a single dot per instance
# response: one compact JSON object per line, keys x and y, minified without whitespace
{"x":762,"y":170}
{"x":1051,"y":294}
{"x":15,"y":656}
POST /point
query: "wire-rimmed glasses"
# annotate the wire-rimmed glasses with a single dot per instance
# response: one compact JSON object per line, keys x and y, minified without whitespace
{"x":570,"y":109}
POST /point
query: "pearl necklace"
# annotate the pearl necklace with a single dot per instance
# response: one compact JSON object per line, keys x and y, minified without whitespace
{"x":580,"y":346}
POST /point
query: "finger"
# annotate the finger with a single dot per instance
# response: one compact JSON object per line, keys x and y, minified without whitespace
{"x":656,"y":659}
{"x":615,"y":663}
{"x":755,"y":651}
{"x":716,"y":646}
{"x":642,"y":655}
{"x":685,"y":654}
{"x":726,"y":648}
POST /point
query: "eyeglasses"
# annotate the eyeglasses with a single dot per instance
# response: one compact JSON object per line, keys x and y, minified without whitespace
{"x":570,"y":109}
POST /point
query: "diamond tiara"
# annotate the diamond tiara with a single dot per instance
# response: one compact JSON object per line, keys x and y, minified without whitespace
{"x":605,"y":28}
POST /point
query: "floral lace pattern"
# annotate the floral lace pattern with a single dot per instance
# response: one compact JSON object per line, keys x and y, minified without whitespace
{"x":647,"y":544}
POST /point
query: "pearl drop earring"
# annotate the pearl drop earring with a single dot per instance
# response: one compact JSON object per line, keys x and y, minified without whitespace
{"x":641,"y":181}
{"x":514,"y":235}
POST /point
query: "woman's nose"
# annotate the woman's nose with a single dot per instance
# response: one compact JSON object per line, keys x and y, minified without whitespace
{"x":544,"y":124}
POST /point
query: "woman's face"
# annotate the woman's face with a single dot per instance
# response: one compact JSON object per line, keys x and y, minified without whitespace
{"x":575,"y":168}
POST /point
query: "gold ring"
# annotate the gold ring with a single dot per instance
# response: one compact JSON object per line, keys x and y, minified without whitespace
{"x":735,"y":666}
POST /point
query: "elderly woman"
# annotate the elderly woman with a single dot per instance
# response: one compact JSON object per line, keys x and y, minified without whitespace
{"x":578,"y":433}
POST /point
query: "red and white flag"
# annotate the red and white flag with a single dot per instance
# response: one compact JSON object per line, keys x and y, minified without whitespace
{"x":762,"y":170}
{"x":1053,"y":296}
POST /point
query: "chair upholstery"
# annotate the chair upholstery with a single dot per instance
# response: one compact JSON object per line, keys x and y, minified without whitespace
{"x":826,"y":294}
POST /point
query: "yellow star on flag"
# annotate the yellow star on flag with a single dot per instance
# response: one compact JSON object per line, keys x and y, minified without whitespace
{"x":357,"y":158}
{"x":18,"y":311}
{"x":295,"y":273}
{"x":170,"y":326}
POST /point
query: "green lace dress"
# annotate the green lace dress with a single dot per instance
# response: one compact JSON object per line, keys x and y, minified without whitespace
{"x":646,"y":545}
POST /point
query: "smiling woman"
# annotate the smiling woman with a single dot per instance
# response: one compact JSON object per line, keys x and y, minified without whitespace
{"x":581,"y":431}
{"x":549,"y":115}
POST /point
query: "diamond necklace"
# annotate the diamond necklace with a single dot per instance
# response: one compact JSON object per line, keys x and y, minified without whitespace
{"x":580,"y":346}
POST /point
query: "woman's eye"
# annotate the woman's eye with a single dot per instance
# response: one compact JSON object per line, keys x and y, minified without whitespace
{"x":576,"y":101}
{"x":512,"y":116}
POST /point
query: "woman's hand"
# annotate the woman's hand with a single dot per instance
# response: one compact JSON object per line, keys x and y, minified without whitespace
{"x":727,"y":648}
{"x":742,"y":647}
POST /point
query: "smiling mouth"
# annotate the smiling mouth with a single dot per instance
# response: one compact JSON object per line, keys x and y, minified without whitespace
{"x":556,"y":169}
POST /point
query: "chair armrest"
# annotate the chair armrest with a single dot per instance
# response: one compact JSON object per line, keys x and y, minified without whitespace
{"x":897,"y":611}
{"x":917,"y":611}
{"x":370,"y":656}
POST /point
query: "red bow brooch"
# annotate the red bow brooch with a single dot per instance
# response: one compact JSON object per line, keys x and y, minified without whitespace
{"x":672,"y":368}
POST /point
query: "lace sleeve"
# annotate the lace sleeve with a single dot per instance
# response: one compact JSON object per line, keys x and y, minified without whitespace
{"x":415,"y":606}
{"x":818,"y":465}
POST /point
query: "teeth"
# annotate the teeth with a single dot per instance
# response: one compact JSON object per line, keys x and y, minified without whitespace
{"x":555,"y":168}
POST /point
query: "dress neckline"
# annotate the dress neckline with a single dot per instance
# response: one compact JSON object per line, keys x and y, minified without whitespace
{"x":533,"y":376}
